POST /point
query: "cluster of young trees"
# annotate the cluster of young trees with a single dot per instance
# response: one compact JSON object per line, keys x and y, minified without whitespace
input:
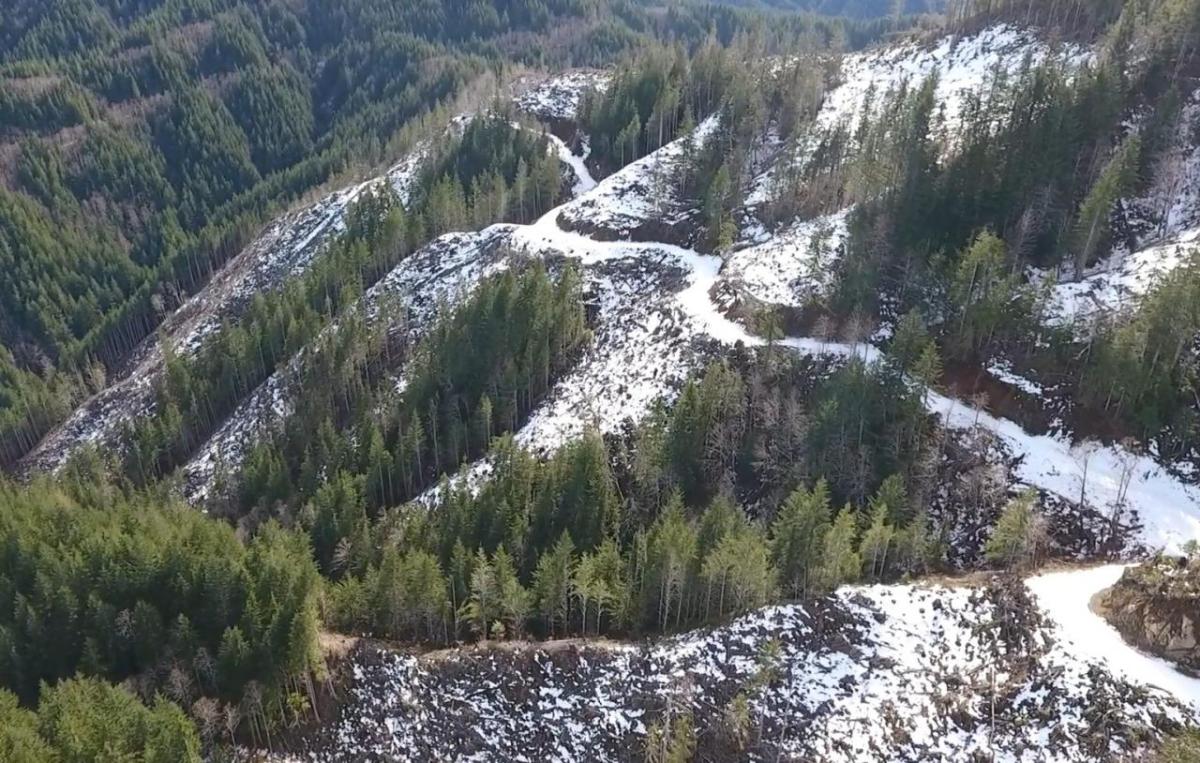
{"x":1142,"y":369}
{"x":130,"y":587}
{"x":601,"y":538}
{"x":480,"y":370}
{"x":198,"y":392}
{"x":86,"y":719}
{"x":640,"y":110}
{"x":496,"y":171}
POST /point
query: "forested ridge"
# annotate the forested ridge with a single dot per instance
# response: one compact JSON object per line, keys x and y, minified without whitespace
{"x":144,"y":143}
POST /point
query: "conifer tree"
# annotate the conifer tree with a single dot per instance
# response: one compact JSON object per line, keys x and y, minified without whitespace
{"x":877,"y":541}
{"x":798,"y":538}
{"x":483,"y":602}
{"x":552,"y":584}
{"x":840,"y":562}
{"x":1019,"y":536}
{"x":1092,"y":226}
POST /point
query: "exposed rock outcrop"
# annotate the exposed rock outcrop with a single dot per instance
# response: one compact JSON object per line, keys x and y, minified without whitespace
{"x":1156,"y":607}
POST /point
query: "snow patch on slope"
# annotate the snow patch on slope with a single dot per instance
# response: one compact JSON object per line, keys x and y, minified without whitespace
{"x":875,"y":673}
{"x":1171,"y":211}
{"x":558,"y":97}
{"x":639,"y":193}
{"x":792,"y":267}
{"x":440,"y":273}
{"x":1117,"y":285}
{"x":614,"y":382}
{"x":963,"y":66}
{"x":1118,"y":482}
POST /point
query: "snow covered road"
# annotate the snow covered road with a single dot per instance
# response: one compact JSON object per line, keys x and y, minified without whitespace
{"x":1066,"y":597}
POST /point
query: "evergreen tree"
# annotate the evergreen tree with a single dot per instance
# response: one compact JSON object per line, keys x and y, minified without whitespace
{"x":840,"y":562}
{"x":552,"y":584}
{"x":1019,"y":536}
{"x":798,"y":538}
{"x":1092,"y":226}
{"x":483,"y":603}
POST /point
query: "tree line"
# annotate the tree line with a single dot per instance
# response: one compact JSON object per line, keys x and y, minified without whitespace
{"x":196,"y":393}
{"x":479,"y":371}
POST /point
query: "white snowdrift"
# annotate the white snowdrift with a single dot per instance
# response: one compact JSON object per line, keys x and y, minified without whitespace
{"x":962,"y":65}
{"x":640,"y":192}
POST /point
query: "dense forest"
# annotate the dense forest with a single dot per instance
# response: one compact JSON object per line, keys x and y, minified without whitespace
{"x":145,"y":143}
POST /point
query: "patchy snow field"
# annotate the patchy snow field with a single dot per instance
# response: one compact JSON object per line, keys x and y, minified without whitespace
{"x":613,"y":382}
{"x":904,"y":673}
{"x":792,"y":267}
{"x":1135,"y":486}
{"x":637,"y":195}
{"x":962,"y":65}
{"x":1116,"y":285}
{"x":558,"y":97}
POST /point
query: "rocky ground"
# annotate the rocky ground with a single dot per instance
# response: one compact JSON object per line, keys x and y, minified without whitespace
{"x":902,"y":673}
{"x":1156,"y":606}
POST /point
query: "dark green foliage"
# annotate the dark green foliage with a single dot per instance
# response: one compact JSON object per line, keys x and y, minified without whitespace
{"x":114,"y":587}
{"x":1144,"y":368}
{"x":197,"y":392}
{"x":478,"y":373}
{"x":272,"y":106}
{"x":600,"y":544}
{"x":43,"y":106}
{"x":207,"y":157}
{"x":188,"y":123}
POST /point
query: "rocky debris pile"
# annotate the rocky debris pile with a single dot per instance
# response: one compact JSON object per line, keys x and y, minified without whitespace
{"x":557,"y":98}
{"x":902,"y":673}
{"x":1156,"y":607}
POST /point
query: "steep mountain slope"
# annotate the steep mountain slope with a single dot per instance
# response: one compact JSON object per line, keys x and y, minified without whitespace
{"x":876,"y":673}
{"x":1173,"y":200}
{"x":990,"y":677}
{"x":282,"y":252}
{"x":905,"y":672}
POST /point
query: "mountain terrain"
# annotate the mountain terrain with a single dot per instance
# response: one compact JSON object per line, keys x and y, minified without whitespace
{"x":746,"y":384}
